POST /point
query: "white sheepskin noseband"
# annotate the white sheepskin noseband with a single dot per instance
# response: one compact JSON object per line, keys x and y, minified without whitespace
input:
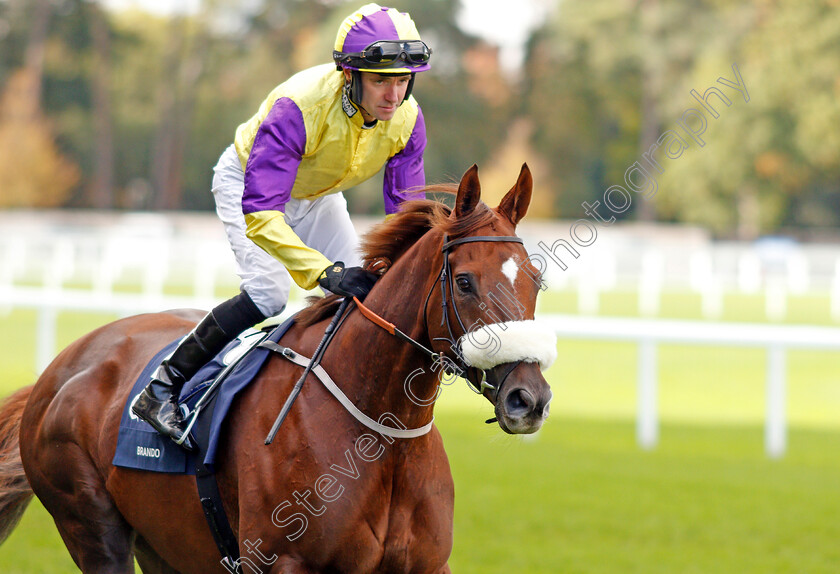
{"x":499,"y":343}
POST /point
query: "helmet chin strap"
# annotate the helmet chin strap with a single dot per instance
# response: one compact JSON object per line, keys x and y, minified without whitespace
{"x":409,"y":87}
{"x":354,"y":88}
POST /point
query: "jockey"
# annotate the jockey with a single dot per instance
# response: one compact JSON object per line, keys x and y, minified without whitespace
{"x":278,"y":187}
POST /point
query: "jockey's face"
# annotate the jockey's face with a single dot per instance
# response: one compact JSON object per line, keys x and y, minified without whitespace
{"x":382,"y":94}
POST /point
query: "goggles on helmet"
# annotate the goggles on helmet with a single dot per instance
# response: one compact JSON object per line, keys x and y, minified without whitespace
{"x":383,"y":53}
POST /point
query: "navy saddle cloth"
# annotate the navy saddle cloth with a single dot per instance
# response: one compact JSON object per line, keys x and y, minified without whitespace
{"x":139,"y":446}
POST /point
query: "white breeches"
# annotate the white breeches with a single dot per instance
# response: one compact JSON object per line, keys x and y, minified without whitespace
{"x":323,"y":224}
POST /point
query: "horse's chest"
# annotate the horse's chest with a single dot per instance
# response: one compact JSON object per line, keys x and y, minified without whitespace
{"x":403,"y":533}
{"x":382,"y":523}
{"x":415,"y":519}
{"x":358,"y":512}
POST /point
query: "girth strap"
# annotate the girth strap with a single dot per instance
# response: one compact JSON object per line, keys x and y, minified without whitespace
{"x":211,"y":498}
{"x":214,"y":512}
{"x":325,"y":379}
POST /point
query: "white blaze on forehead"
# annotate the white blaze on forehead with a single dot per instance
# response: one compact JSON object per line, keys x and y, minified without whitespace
{"x":510,"y":269}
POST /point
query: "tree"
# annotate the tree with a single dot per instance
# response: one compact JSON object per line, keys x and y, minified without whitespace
{"x":101,"y":194}
{"x":182,"y":66}
{"x":607,"y":78}
{"x":582,"y":93}
{"x":33,"y":173}
{"x":774,"y":160}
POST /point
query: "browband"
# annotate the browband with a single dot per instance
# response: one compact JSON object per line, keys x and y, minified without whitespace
{"x":449,"y":244}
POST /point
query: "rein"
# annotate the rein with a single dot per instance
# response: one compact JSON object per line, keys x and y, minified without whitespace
{"x":330,"y":385}
{"x":392,"y":329}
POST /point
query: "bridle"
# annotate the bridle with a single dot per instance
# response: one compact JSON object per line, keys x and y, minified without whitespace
{"x":451,"y":365}
{"x":446,"y":285}
{"x":461,"y":367}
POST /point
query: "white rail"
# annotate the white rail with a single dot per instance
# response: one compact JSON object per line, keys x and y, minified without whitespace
{"x":48,"y":302}
{"x":646,"y":333}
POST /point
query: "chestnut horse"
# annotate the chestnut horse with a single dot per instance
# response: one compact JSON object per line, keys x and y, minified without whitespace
{"x":327,"y":495}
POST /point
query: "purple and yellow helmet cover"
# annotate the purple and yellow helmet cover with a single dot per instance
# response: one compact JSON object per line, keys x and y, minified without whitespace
{"x":373,"y":23}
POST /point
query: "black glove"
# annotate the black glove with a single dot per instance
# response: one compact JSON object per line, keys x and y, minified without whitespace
{"x":347,"y":281}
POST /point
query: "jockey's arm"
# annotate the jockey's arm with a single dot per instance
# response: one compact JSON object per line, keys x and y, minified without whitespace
{"x":270,"y":174}
{"x":269,"y":230}
{"x":404,"y":172}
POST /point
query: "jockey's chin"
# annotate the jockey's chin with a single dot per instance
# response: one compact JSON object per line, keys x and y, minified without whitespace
{"x":386,"y":112}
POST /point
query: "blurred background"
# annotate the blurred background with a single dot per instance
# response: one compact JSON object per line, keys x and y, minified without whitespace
{"x":696,"y":420}
{"x":107,"y":106}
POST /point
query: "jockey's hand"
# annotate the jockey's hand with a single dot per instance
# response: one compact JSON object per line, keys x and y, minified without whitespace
{"x":347,"y":281}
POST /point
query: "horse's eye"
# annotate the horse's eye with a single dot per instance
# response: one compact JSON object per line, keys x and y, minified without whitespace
{"x":463,"y":284}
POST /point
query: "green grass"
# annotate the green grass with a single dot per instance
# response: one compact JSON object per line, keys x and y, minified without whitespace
{"x":581,"y":496}
{"x":35,"y":546}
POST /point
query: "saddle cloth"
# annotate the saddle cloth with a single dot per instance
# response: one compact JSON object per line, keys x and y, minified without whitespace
{"x":139,"y":446}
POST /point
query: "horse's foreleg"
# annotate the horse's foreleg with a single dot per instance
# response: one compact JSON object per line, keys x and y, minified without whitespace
{"x":444,"y":570}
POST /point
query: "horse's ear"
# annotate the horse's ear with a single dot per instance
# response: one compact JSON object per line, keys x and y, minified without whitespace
{"x":469,"y":193}
{"x":515,"y":203}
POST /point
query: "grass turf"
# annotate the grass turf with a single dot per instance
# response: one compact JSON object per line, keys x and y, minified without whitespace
{"x":582,"y":497}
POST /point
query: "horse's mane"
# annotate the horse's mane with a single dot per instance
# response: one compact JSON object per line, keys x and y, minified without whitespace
{"x":393,"y":237}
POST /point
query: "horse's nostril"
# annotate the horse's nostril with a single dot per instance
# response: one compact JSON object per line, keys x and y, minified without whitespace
{"x":519,"y":402}
{"x":515,"y":401}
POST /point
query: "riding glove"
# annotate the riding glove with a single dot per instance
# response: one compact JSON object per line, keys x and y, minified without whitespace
{"x":347,"y":281}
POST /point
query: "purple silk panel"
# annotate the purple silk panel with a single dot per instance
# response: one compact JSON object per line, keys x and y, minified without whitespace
{"x":275,"y":156}
{"x":404,"y":172}
{"x":377,"y":26}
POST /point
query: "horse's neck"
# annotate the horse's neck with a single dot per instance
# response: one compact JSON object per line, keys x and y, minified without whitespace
{"x":393,"y":376}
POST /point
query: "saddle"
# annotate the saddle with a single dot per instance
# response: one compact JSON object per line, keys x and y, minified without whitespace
{"x":211,"y":392}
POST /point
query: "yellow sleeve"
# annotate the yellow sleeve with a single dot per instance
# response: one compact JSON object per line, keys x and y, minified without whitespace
{"x":269,"y":230}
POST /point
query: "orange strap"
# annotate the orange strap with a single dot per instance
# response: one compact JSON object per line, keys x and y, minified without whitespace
{"x":392,"y":329}
{"x":374,"y":318}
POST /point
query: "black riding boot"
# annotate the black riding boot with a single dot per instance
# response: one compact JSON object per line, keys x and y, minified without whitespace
{"x":158,"y":403}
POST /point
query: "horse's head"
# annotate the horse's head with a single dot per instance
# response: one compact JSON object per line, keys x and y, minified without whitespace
{"x":486,"y":295}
